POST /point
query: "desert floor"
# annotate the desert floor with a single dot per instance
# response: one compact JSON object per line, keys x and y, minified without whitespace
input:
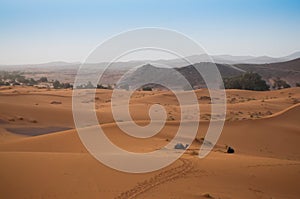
{"x":41,"y":155}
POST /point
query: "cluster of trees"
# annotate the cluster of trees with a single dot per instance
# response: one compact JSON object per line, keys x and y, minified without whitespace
{"x":247,"y":81}
{"x":5,"y":75}
{"x":100,"y":86}
{"x":2,"y":83}
{"x":253,"y":81}
{"x":147,"y":88}
{"x":143,"y":88}
{"x":89,"y":85}
{"x":16,"y":78}
{"x":58,"y":85}
{"x":279,"y":84}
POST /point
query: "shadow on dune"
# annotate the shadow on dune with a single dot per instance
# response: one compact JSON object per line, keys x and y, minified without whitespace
{"x":36,"y":131}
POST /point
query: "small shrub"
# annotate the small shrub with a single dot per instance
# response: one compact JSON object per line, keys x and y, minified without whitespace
{"x":279,"y":84}
{"x":207,"y":195}
{"x":55,"y":102}
{"x":194,"y":152}
{"x":147,"y":88}
{"x":33,"y":121}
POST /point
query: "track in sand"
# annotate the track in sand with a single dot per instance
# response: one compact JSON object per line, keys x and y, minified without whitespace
{"x":162,"y":177}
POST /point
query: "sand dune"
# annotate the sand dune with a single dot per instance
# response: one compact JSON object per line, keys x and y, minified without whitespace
{"x":282,"y":126}
{"x":56,"y":165}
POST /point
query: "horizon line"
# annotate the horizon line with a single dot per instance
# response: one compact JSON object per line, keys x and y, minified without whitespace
{"x":161,"y":59}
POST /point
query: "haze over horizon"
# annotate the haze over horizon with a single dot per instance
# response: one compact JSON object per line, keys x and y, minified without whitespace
{"x":173,"y":61}
{"x":39,"y":32}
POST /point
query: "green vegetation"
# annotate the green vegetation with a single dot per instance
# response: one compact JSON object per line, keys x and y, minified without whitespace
{"x":2,"y":83}
{"x":12,"y":78}
{"x":100,"y":86}
{"x":147,"y":88}
{"x":58,"y":85}
{"x":279,"y":84}
{"x":17,"y":78}
{"x":43,"y":79}
{"x":89,"y":85}
{"x":247,"y":81}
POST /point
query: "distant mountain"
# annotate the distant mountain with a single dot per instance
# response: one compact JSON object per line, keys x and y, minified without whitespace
{"x":260,"y":60}
{"x":221,"y":59}
{"x":173,"y":76}
{"x":228,"y":66}
{"x":288,"y":71}
{"x":57,"y":64}
{"x":230,"y":59}
{"x":291,"y":56}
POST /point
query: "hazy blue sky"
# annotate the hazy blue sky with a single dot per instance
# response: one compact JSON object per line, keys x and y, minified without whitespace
{"x":67,"y":30}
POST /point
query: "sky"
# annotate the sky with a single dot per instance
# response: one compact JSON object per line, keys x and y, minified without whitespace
{"x":39,"y":31}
